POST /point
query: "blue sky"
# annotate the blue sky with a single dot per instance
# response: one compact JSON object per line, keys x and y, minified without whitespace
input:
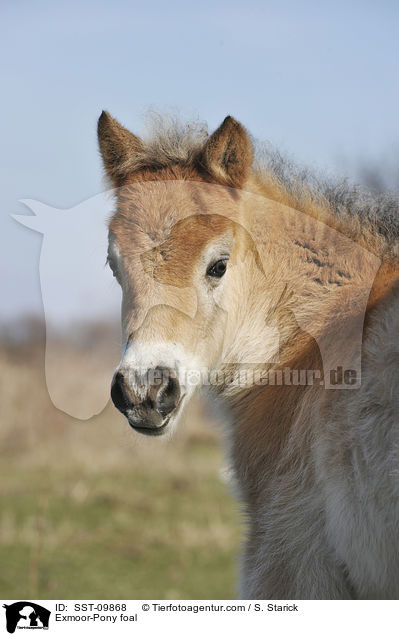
{"x":319,"y":80}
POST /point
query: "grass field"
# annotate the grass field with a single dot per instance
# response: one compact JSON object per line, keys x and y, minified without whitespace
{"x":91,"y":510}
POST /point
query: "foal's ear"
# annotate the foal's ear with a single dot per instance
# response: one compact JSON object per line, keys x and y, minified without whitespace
{"x":228,"y":153}
{"x":118,"y":146}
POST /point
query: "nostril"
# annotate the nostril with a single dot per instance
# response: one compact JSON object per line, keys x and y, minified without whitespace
{"x":169,"y":394}
{"x":119,"y":394}
{"x":147,"y":400}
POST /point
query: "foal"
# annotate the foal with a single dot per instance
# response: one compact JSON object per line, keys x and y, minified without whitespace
{"x":279,"y":295}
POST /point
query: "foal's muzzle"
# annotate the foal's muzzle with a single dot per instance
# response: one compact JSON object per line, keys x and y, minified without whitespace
{"x":147,"y":400}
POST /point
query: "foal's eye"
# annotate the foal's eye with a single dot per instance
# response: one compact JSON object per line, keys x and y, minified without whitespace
{"x":217,"y":269}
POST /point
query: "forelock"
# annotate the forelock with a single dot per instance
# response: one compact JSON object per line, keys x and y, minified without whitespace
{"x":168,"y":141}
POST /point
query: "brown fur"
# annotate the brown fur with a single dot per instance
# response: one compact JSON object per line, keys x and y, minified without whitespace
{"x":228,"y":155}
{"x":291,"y":245}
{"x":117,"y":144}
{"x":384,"y":285}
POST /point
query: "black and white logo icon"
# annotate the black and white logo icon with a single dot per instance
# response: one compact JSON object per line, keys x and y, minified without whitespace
{"x":26,"y":615}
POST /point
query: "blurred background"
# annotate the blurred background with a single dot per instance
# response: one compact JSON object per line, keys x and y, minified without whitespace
{"x":89,"y":510}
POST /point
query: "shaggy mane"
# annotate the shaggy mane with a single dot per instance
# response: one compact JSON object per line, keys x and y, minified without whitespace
{"x":371,"y":218}
{"x":168,"y":141}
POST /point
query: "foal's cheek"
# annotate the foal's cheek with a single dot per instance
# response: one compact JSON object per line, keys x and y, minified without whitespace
{"x":222,"y":292}
{"x":218,"y":297}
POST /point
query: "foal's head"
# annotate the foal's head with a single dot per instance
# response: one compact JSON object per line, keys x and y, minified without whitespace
{"x":173,"y":242}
